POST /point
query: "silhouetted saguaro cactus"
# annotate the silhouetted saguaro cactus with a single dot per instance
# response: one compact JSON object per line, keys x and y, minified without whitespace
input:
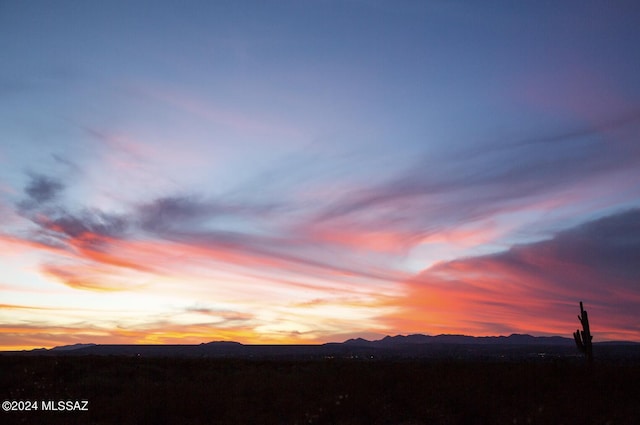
{"x":583,"y":337}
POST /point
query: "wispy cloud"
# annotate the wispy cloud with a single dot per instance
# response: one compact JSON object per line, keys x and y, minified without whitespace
{"x":474,"y":179}
{"x":93,"y":244}
{"x":439,"y":195}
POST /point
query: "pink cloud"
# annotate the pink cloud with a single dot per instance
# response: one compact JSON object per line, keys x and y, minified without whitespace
{"x":532,"y":288}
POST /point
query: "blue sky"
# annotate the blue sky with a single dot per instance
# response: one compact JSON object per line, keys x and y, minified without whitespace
{"x":311,"y":171}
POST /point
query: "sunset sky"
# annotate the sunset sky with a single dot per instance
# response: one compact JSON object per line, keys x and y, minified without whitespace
{"x":313,"y":171}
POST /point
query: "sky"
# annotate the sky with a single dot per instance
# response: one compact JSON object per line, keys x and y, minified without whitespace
{"x":312,"y":171}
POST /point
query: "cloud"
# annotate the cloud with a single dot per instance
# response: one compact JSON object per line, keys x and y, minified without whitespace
{"x":172,"y":234}
{"x":264,"y":254}
{"x":89,"y":222}
{"x":82,"y":245}
{"x":609,"y":247}
{"x":67,"y":163}
{"x":88,"y":232}
{"x":41,"y":189}
{"x":182,"y":212}
{"x":201,"y":225}
{"x":170,"y":212}
{"x":440,"y":193}
{"x":535,"y":287}
{"x":348,"y":232}
{"x":56,"y":227}
{"x":105,"y":275}
{"x":221,"y":317}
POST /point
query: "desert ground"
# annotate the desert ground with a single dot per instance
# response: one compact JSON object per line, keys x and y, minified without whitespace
{"x":130,"y":390}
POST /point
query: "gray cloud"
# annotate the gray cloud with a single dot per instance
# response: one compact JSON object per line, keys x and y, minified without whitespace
{"x":89,"y":222}
{"x":608,"y":247}
{"x":181,"y":213}
{"x":88,"y":228}
{"x":221,"y":316}
{"x":166,"y":213}
{"x":43,"y":189}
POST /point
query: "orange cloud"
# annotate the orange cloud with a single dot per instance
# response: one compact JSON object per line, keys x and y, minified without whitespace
{"x":352,"y":236}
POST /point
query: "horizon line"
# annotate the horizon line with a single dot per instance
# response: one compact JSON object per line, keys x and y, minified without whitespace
{"x":321,"y":343}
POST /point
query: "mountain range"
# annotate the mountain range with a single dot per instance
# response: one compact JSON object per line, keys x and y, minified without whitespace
{"x":513,"y":339}
{"x":515,"y":346}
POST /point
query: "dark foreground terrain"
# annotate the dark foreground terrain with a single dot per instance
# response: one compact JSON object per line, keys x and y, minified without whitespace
{"x":134,"y":390}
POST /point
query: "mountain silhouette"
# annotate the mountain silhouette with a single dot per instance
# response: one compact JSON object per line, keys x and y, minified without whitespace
{"x":513,"y":339}
{"x":514,"y":346}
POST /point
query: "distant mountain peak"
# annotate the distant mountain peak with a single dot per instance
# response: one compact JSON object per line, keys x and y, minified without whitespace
{"x":358,"y":341}
{"x":72,"y":347}
{"x":223,"y":343}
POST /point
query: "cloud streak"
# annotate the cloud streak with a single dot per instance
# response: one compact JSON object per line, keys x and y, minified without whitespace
{"x":475,"y":182}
